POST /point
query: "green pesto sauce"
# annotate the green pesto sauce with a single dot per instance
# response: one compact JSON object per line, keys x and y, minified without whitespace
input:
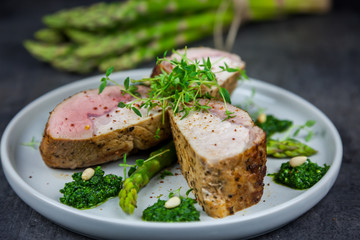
{"x":273,"y":125}
{"x":84,"y":194}
{"x":301,"y":177}
{"x":185,"y":212}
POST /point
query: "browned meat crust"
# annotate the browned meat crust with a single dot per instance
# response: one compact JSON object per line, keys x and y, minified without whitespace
{"x":227,"y":186}
{"x":66,"y":153}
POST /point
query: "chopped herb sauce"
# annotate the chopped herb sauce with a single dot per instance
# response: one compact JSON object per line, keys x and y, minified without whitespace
{"x":185,"y":212}
{"x":84,"y":194}
{"x":273,"y":125}
{"x":301,"y":177}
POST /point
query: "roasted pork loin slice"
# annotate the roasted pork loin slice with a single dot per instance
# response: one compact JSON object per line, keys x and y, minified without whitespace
{"x":217,"y":58}
{"x":88,"y":129}
{"x":224,"y":161}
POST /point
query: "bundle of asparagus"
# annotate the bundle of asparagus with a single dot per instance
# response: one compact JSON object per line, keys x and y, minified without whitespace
{"x":123,"y":34}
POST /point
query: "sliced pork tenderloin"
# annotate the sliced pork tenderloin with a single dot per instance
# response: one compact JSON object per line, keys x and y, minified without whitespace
{"x":88,"y":129}
{"x":227,"y":80}
{"x":224,"y":161}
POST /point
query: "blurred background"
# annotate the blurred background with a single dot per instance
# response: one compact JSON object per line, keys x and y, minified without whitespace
{"x":126,"y":34}
{"x":308,"y":47}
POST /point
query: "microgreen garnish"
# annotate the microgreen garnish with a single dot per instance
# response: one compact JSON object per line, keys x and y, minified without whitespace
{"x":33,"y":143}
{"x":166,"y":173}
{"x":179,"y":89}
{"x":297,"y":128}
{"x":173,"y":193}
{"x":244,"y":76}
{"x":250,"y":106}
{"x":177,"y":192}
{"x":105,"y":79}
{"x":158,"y":197}
{"x":188,"y":192}
{"x":136,"y":111}
{"x":131,"y":89}
{"x":229,"y":69}
{"x":124,"y":165}
{"x":157,"y":134}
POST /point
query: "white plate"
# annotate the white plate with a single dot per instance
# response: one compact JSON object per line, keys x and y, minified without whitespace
{"x":39,"y":185}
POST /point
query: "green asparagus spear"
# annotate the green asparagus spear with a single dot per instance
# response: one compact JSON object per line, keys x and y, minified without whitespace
{"x":83,"y":37}
{"x":71,"y":63}
{"x":148,"y":52}
{"x":47,"y":52}
{"x":288,"y":148}
{"x":90,"y":18}
{"x":135,"y":37}
{"x":270,"y":9}
{"x":98,"y":31}
{"x":143,"y":174}
{"x":60,"y":56}
{"x":111,"y":15}
{"x":48,"y":35}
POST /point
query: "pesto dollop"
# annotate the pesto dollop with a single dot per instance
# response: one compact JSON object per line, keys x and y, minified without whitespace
{"x":185,"y":212}
{"x":273,"y":125}
{"x":84,"y":194}
{"x":300,"y":177}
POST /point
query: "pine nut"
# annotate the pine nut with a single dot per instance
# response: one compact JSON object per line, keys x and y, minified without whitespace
{"x":87,"y":174}
{"x":261,"y":118}
{"x":173,"y":202}
{"x":297,"y":161}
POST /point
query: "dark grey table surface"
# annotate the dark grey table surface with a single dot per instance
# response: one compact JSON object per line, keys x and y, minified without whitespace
{"x":315,"y":57}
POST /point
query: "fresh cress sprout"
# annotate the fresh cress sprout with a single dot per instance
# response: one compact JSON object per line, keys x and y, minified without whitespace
{"x":250,"y":105}
{"x":33,"y":143}
{"x":306,"y":126}
{"x":166,"y":173}
{"x":179,"y":89}
{"x":157,"y":136}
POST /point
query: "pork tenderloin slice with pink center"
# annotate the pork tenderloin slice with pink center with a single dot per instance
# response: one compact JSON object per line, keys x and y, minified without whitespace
{"x":88,"y":129}
{"x":227,"y":80}
{"x":224,"y":161}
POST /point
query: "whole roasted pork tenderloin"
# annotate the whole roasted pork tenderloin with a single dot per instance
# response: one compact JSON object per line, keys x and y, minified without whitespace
{"x":88,"y":129}
{"x":227,"y":80}
{"x":224,"y":161}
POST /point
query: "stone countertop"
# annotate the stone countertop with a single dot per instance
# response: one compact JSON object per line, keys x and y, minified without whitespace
{"x":315,"y":57}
